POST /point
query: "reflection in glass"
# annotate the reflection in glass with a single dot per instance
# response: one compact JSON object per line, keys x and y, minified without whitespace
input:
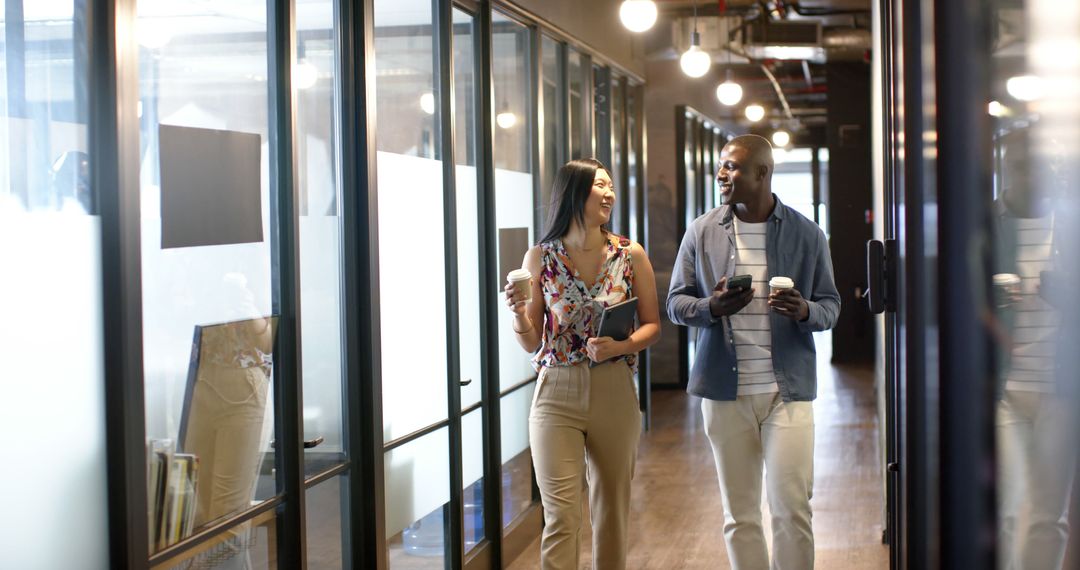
{"x":469,"y":290}
{"x":632,"y":156}
{"x":223,"y":419}
{"x":618,"y":152}
{"x":1032,"y":311}
{"x":514,"y":213}
{"x":600,"y":105}
{"x":517,"y":472}
{"x":551,"y":119}
{"x":416,"y":497}
{"x":411,"y":271}
{"x":206,"y":68}
{"x":317,"y":158}
{"x":1035,"y":424}
{"x":251,"y":546}
{"x":52,"y":412}
{"x":466,"y":195}
{"x":793,"y":182}
{"x":472,"y":471}
{"x":514,"y":197}
{"x":577,"y":106}
{"x":323,"y":525}
{"x":510,"y":49}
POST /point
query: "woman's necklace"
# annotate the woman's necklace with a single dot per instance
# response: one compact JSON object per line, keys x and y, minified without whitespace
{"x":584,"y":249}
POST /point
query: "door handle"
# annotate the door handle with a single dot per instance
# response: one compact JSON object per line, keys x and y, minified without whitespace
{"x":881,"y":275}
{"x":308,"y":443}
{"x":465,"y":382}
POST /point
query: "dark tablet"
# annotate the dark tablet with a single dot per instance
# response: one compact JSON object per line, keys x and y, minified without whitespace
{"x":617,"y":321}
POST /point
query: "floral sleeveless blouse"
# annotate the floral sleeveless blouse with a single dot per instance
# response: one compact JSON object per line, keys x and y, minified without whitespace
{"x":573,"y":310}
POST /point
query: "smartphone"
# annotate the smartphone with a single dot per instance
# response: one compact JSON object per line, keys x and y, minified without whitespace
{"x":740,"y":281}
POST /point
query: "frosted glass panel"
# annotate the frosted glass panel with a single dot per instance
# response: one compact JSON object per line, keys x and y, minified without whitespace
{"x":515,"y":421}
{"x":413,"y":308}
{"x":513,"y":209}
{"x":52,"y":413}
{"x":468,"y":285}
{"x":468,"y":228}
{"x":412,"y":264}
{"x":416,"y":480}
{"x":517,"y":463}
{"x":472,"y":468}
{"x":472,"y":448}
{"x":320,"y":237}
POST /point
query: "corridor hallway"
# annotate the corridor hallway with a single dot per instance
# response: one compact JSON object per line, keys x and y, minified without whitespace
{"x":677,"y":521}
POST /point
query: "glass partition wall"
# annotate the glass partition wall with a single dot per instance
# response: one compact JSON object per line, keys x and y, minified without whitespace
{"x":308,"y":208}
{"x":698,"y":141}
{"x":52,"y":344}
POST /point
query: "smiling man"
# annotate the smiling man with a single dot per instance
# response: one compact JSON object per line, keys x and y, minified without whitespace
{"x":755,"y":362}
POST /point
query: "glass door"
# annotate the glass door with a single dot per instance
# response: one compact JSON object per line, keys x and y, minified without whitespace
{"x":413,"y":293}
{"x":467,"y":82}
{"x":885,"y":276}
{"x":1034,"y":204}
{"x":209,"y":305}
{"x":431,"y":229}
{"x":515,"y":204}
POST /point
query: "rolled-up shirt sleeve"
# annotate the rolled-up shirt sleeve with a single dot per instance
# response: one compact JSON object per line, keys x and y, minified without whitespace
{"x":824,"y":300}
{"x":685,"y":305}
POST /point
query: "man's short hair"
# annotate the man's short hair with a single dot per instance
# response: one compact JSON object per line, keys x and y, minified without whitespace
{"x":758,"y":149}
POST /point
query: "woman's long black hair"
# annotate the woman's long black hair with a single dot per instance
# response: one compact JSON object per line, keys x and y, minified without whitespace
{"x":571,"y":189}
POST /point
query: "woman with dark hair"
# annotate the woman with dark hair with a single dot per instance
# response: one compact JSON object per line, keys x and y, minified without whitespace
{"x":585,"y":406}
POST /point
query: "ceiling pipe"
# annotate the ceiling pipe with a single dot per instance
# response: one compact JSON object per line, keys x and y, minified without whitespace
{"x":822,"y":11}
{"x":779,"y":92}
{"x":846,"y":38}
{"x":772,"y":79}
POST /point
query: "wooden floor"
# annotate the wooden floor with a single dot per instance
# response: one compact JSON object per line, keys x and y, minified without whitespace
{"x":677,"y":520}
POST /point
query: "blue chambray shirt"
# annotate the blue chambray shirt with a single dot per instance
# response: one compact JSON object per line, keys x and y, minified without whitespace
{"x":795,"y":247}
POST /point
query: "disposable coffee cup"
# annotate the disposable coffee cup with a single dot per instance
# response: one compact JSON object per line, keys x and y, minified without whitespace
{"x":1006,"y":285}
{"x":777,"y":284}
{"x":520,"y":278}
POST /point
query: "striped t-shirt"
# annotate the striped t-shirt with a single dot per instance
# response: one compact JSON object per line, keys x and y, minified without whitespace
{"x":1036,"y":321}
{"x":750,"y":326}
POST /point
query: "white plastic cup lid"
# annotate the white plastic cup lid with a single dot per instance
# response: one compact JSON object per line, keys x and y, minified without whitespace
{"x":519,"y":275}
{"x":1006,"y":279}
{"x":781,"y":283}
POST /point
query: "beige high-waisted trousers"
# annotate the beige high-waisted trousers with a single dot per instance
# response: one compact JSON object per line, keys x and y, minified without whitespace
{"x":585,"y":421}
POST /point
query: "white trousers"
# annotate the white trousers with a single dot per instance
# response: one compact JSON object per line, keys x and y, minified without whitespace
{"x":747,"y":435}
{"x":1036,"y":458}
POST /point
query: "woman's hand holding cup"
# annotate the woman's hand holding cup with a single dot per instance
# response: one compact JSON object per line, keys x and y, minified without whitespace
{"x":518,"y":290}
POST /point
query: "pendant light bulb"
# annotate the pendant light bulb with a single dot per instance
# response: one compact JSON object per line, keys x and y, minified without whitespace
{"x":695,"y":61}
{"x":781,"y":138}
{"x":638,"y":15}
{"x":755,"y":113}
{"x":729,"y":93}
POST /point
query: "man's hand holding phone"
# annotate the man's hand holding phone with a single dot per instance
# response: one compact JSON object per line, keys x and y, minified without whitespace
{"x":727,"y":301}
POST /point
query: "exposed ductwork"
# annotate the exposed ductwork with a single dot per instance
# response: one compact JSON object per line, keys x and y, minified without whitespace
{"x":846,"y":38}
